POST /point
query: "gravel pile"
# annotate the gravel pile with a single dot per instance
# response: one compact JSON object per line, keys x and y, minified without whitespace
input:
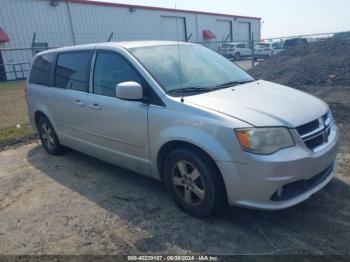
{"x":322,"y":63}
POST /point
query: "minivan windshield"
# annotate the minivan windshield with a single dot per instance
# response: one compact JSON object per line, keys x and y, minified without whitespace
{"x":187,"y":69}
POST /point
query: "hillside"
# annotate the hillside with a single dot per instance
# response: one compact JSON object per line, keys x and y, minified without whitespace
{"x":322,"y":63}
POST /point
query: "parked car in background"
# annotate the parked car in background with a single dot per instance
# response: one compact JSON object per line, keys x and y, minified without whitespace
{"x":265,"y":50}
{"x":292,"y":42}
{"x":183,"y":114}
{"x":236,"y":50}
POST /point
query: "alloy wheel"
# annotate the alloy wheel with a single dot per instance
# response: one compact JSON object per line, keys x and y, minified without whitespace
{"x":47,"y":136}
{"x":188,"y":182}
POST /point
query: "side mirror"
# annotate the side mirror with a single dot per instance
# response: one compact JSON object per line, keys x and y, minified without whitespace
{"x":129,"y":91}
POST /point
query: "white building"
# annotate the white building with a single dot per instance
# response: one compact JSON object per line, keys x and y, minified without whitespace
{"x":69,"y":22}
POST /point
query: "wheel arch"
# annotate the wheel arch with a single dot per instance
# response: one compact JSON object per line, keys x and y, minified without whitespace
{"x":169,"y":146}
{"x":42,"y":110}
{"x":37,"y":115}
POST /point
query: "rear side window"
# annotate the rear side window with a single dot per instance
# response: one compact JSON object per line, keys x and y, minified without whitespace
{"x":110,"y":70}
{"x":72,"y":71}
{"x":41,"y":70}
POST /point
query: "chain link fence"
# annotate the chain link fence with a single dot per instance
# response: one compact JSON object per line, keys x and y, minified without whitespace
{"x":15,"y":62}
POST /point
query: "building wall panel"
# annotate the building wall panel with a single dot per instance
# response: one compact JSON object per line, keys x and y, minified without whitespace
{"x":72,"y":22}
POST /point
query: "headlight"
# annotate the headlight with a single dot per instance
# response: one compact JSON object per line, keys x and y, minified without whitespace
{"x":264,"y":141}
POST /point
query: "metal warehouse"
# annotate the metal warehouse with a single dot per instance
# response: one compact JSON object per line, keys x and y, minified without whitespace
{"x":27,"y":26}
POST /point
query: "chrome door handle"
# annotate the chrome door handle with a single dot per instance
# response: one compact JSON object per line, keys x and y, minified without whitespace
{"x":95,"y":106}
{"x":78,"y":102}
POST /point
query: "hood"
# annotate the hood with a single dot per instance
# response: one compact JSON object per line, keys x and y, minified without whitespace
{"x":263,"y":103}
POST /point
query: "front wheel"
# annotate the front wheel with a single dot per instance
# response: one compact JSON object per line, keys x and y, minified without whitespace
{"x":194,"y":182}
{"x":238,"y":57}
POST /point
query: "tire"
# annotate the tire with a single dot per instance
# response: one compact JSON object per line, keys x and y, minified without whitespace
{"x":200,"y":192}
{"x":237,"y":57}
{"x":48,"y":137}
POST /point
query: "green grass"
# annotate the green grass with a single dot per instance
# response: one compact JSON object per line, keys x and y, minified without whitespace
{"x":13,"y":112}
{"x":12,"y":86}
{"x":12,"y":135}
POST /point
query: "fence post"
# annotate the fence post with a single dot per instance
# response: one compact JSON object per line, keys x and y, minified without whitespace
{"x":253,"y":54}
{"x":21,"y":64}
{"x":33,"y":43}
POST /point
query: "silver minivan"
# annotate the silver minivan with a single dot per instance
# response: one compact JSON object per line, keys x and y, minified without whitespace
{"x":181,"y":113}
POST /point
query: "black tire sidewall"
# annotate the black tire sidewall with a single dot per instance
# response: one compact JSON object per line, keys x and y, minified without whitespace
{"x":57,"y":148}
{"x":238,"y":57}
{"x":209,"y":204}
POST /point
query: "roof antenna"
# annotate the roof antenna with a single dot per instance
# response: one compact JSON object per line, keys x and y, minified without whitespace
{"x":110,"y":37}
{"x":178,"y":50}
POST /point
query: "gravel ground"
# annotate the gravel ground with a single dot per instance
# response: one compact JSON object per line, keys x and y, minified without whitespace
{"x":322,"y":63}
{"x":74,"y":204}
{"x":245,"y":64}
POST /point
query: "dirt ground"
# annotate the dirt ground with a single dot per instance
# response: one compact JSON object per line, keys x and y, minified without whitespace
{"x":74,"y":204}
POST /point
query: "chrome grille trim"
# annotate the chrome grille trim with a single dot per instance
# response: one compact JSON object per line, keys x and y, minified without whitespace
{"x":320,"y":129}
{"x":318,"y":137}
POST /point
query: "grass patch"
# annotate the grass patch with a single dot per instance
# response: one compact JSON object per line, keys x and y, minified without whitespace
{"x":13,"y":135}
{"x":13,"y":106}
{"x":10,"y":87}
{"x":13,"y":112}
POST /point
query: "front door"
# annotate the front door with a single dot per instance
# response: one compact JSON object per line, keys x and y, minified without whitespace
{"x":118,"y":128}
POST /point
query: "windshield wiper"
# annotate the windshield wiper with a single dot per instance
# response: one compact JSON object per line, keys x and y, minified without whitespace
{"x":233,"y":83}
{"x":190,"y":89}
{"x":195,"y":90}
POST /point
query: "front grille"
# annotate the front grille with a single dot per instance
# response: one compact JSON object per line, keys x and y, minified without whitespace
{"x":308,"y":127}
{"x":316,"y":132}
{"x":315,"y":142}
{"x":297,"y":188}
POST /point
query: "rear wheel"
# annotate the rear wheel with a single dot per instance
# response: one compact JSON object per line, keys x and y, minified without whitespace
{"x":194,"y":182}
{"x":48,"y":137}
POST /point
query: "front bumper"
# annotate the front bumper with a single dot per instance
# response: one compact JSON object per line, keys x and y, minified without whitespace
{"x":298,"y":171}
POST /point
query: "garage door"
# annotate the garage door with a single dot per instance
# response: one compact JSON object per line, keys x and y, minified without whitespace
{"x":173,"y":28}
{"x":243,"y":31}
{"x":223,"y":30}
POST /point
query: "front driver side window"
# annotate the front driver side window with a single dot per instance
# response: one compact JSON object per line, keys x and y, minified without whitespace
{"x":110,"y":70}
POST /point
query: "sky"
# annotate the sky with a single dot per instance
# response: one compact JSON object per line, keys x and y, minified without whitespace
{"x":279,"y":17}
